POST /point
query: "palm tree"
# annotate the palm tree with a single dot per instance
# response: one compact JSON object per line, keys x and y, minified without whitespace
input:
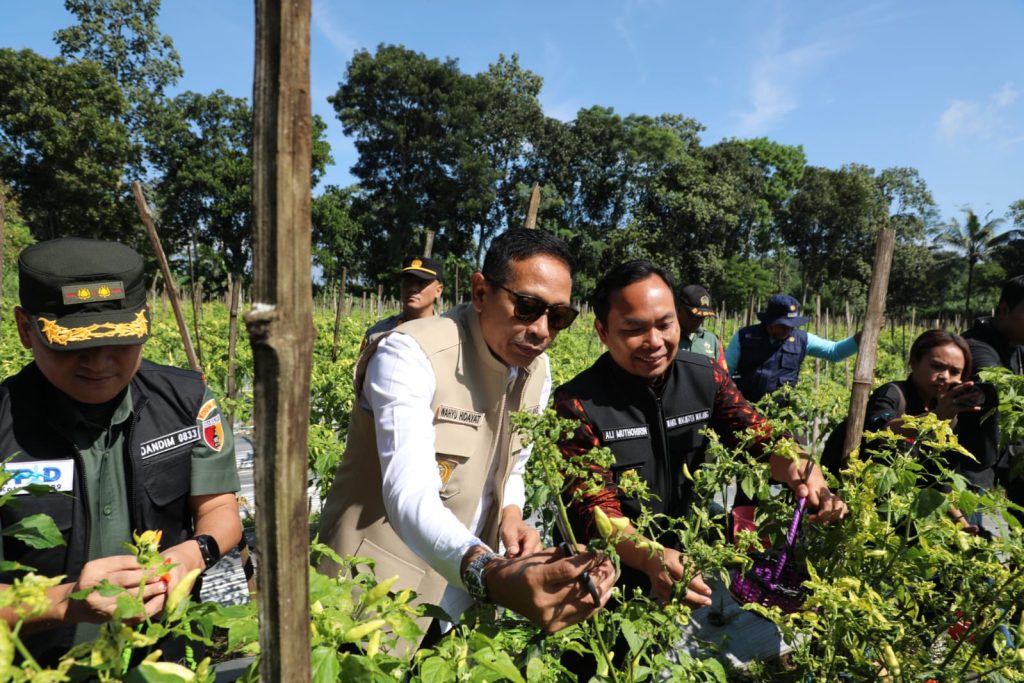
{"x":975,"y":240}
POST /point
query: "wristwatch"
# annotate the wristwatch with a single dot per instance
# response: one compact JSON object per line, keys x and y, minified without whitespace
{"x":473,"y":576}
{"x":208,"y":548}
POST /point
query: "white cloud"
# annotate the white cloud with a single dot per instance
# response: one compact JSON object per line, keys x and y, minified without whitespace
{"x":980,"y":119}
{"x":634,"y":53}
{"x":558,"y":73}
{"x":339,"y":39}
{"x":776,"y":77}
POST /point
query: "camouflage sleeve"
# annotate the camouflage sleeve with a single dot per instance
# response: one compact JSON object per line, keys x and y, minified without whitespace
{"x":583,"y":441}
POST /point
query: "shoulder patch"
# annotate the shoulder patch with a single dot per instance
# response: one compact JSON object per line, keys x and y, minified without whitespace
{"x":211,"y":428}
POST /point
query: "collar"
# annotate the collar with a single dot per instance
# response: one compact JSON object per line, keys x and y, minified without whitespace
{"x":71,"y":414}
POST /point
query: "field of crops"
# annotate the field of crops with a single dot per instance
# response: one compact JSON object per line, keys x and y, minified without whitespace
{"x":896,"y":592}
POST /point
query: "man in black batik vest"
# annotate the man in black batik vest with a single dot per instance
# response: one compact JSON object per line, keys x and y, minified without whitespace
{"x":647,"y":402}
{"x":125,"y":445}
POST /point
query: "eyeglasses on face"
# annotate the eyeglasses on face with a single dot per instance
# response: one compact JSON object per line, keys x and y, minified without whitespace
{"x":529,"y":308}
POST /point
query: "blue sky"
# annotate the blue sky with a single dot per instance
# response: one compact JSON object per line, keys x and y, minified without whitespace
{"x":935,"y":85}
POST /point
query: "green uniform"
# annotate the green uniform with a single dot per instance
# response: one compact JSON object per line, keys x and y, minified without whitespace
{"x":701,"y":342}
{"x":101,"y":449}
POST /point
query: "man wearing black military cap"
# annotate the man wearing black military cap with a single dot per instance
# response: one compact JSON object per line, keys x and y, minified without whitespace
{"x":128,"y":445}
{"x":421,"y":285}
{"x":694,"y":309}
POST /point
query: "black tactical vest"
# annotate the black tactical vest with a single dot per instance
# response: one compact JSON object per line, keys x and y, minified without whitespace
{"x":765,"y":365}
{"x":651,"y":432}
{"x":157,"y":462}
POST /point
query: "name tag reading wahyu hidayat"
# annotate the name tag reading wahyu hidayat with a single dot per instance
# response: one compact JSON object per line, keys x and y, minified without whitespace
{"x":60,"y":474}
{"x":460,"y":416}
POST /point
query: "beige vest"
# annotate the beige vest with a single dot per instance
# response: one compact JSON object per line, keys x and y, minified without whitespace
{"x":470,"y":409}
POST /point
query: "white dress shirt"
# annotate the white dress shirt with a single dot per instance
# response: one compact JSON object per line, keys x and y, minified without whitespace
{"x":399,"y":388}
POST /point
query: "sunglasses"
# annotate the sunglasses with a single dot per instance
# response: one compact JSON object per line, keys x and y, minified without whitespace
{"x":529,"y":308}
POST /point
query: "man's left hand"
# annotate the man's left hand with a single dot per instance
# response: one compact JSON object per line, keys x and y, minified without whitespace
{"x":520,"y":539}
{"x":831,"y":508}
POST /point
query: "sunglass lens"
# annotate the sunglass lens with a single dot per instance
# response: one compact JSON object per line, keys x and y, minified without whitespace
{"x":561,"y":317}
{"x":528,"y":308}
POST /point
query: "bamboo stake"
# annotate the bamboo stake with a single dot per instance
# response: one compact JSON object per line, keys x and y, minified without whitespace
{"x":281,"y":332}
{"x":864,"y":371}
{"x":337,"y":314}
{"x":531,"y":211}
{"x":428,"y":246}
{"x":170,"y":289}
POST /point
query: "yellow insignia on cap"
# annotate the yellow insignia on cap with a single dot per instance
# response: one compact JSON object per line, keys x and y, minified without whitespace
{"x":792,"y":339}
{"x":103,"y":291}
{"x":416,"y":263}
{"x":705,"y":301}
{"x":57,"y":334}
{"x":792,"y":307}
{"x":84,"y":293}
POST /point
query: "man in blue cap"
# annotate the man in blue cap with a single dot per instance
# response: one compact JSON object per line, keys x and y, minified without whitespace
{"x":765,"y":356}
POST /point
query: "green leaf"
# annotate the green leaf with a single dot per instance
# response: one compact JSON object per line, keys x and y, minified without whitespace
{"x":325,"y":665}
{"x":159,"y":672}
{"x":928,"y":501}
{"x":11,"y":566}
{"x":715,"y":667}
{"x":436,"y":669}
{"x":630,"y":634}
{"x":500,"y":663}
{"x":35,"y":531}
{"x":749,"y":487}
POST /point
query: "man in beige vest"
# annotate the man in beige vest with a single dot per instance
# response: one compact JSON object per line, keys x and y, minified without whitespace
{"x":431,"y":482}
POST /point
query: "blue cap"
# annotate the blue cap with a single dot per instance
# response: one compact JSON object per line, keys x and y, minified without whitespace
{"x":782,"y":310}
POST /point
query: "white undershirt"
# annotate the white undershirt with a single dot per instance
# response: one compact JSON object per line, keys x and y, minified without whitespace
{"x":398,"y":389}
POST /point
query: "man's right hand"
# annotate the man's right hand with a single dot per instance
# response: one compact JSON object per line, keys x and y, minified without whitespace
{"x":120,"y":570}
{"x":545,"y":588}
{"x":666,"y":568}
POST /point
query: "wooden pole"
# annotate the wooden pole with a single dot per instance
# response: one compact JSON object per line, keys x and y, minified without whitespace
{"x":337,"y":314}
{"x":531,"y":211}
{"x":281,"y":332}
{"x":172,"y":291}
{"x":428,"y":245}
{"x":864,"y":371}
{"x":3,"y":243}
{"x":232,"y":390}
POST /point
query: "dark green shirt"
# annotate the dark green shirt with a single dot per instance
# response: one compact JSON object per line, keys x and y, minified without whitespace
{"x":99,"y":434}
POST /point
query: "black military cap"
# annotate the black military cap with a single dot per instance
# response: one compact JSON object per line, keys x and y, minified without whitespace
{"x":696,"y":300}
{"x":423,"y":267}
{"x":84,"y":293}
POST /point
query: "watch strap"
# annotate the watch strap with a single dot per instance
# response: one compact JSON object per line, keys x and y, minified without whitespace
{"x":473,"y":576}
{"x":208,"y":548}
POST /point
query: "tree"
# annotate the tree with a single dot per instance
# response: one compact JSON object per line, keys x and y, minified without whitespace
{"x":830,"y":226}
{"x":122,"y":37}
{"x":414,"y":121}
{"x":337,"y":236}
{"x":64,"y":146}
{"x":974,"y":241}
{"x":205,"y":195}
